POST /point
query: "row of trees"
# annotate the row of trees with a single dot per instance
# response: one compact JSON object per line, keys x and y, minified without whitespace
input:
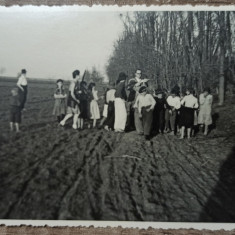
{"x":93,"y":75}
{"x":186,"y":48}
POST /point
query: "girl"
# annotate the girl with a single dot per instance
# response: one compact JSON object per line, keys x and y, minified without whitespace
{"x":60,"y":97}
{"x":189,"y":104}
{"x":94,"y":108}
{"x":15,"y":110}
{"x":204,"y":116}
{"x":120,"y":107}
{"x":23,"y":88}
{"x":73,"y":102}
{"x":145,"y":104}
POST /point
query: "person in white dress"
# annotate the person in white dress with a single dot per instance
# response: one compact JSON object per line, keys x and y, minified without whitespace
{"x":22,"y":84}
{"x":94,"y":108}
{"x":204,"y":116}
{"x":119,"y":104}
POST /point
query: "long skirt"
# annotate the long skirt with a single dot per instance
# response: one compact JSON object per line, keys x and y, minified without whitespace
{"x":186,"y":118}
{"x":94,"y":110}
{"x":111,"y":115}
{"x":120,"y":114}
{"x":138,"y":122}
{"x":85,"y":109}
{"x":147,"y":118}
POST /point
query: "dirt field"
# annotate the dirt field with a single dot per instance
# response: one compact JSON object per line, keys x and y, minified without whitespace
{"x":49,"y":172}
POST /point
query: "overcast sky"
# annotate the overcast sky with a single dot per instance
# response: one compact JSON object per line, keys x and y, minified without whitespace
{"x":53,"y":44}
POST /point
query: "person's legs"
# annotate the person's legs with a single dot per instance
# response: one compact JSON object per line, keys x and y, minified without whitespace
{"x":67,"y":116}
{"x":75,"y":121}
{"x":11,"y":126}
{"x":147,"y":122}
{"x":167,"y":119}
{"x":17,"y":125}
{"x":81,"y":123}
{"x":138,"y":123}
{"x":189,"y":133}
{"x":161,"y":121}
{"x":94,"y":123}
{"x":172,"y":122}
{"x":182,"y":132}
{"x":206,"y":130}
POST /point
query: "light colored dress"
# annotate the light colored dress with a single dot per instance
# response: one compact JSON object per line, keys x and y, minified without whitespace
{"x":204,"y":116}
{"x":94,"y":108}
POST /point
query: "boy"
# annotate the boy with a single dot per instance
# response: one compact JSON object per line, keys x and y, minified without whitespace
{"x":15,"y":110}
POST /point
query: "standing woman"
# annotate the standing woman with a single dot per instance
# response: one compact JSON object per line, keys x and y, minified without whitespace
{"x":189,"y":104}
{"x":119,"y":103}
{"x":94,"y":108}
{"x":73,"y":102}
{"x":204,"y":116}
{"x":84,"y":106}
{"x":23,"y":86}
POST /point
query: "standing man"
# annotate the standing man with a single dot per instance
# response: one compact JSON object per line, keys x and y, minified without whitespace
{"x":23,"y":88}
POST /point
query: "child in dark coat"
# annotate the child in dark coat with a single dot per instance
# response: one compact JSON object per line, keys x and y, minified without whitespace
{"x":159,"y":112}
{"x":15,"y":110}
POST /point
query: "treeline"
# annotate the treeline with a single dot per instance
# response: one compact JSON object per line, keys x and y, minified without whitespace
{"x":186,"y":48}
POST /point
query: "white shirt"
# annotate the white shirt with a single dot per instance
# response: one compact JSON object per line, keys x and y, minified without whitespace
{"x":190,"y":101}
{"x":110,"y":95}
{"x":174,"y":101}
{"x":22,"y":81}
{"x":144,"y":101}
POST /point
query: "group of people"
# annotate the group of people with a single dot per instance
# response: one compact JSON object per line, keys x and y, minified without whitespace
{"x":128,"y":106}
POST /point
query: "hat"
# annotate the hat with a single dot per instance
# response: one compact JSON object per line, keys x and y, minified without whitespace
{"x":207,"y":89}
{"x":23,"y":71}
{"x":132,"y":81}
{"x":190,"y":89}
{"x":142,"y":89}
{"x":59,"y":80}
{"x":159,"y":91}
{"x":122,"y":76}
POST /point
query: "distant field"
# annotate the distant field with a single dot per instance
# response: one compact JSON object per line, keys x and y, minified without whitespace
{"x":49,"y":172}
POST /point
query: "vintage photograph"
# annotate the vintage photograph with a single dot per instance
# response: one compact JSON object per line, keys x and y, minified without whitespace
{"x":117,"y":115}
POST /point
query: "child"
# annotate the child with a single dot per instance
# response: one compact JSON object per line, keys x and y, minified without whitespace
{"x":94,"y":108}
{"x":145,"y":104}
{"x":15,"y":110}
{"x":60,"y":104}
{"x":159,"y":112}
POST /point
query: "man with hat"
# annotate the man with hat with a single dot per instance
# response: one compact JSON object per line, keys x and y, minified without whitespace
{"x":145,"y":104}
{"x":22,"y":83}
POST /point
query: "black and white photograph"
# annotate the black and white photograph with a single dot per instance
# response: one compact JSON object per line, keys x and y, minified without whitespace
{"x":117,"y":115}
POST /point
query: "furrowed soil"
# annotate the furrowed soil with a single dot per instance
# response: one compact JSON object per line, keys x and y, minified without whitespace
{"x":48,"y":172}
